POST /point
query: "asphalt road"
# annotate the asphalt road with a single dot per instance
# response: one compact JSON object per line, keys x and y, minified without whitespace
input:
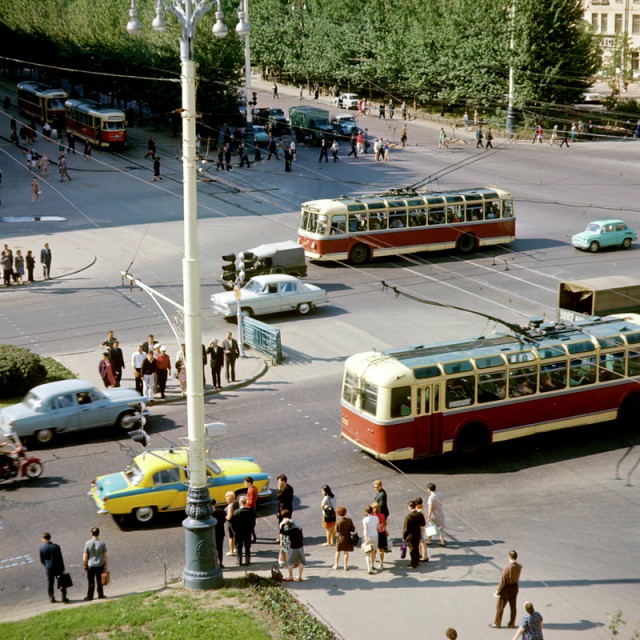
{"x":560,"y":500}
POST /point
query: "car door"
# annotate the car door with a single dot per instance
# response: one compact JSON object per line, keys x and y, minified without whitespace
{"x":63,"y":415}
{"x":290,"y":295}
{"x":95,"y":409}
{"x":168,"y":490}
{"x":609,"y":236}
{"x":269,"y":299}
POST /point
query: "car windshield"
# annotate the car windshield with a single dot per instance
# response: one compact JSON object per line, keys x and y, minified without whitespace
{"x":593,"y":227}
{"x":253,"y":286}
{"x":134,"y":473}
{"x":32,"y":401}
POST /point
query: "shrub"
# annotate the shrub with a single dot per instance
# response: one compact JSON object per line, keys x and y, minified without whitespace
{"x":20,"y":370}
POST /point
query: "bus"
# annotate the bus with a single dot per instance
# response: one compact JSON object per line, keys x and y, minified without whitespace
{"x":390,"y":224}
{"x":102,"y":126}
{"x":424,"y":400}
{"x":41,"y":102}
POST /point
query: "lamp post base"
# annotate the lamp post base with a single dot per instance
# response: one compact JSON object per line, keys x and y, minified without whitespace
{"x":201,"y":570}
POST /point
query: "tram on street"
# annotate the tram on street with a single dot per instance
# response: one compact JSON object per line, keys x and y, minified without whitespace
{"x":462,"y":396}
{"x":102,"y":126}
{"x":359,"y":229}
{"x":41,"y":102}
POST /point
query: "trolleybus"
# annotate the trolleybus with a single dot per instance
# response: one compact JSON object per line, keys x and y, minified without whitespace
{"x":461,"y":396}
{"x":102,"y":126}
{"x":361,"y":228}
{"x":41,"y":102}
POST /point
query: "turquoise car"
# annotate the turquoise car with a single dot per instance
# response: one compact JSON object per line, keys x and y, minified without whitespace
{"x":604,"y":233}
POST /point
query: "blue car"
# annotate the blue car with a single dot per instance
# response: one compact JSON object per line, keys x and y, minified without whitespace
{"x":69,"y":405}
{"x":604,"y":233}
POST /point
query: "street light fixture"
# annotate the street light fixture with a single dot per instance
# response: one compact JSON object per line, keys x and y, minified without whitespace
{"x":201,"y":570}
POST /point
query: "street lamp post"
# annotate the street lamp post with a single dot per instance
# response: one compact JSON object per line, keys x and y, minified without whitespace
{"x":242,"y":29}
{"x":201,"y":570}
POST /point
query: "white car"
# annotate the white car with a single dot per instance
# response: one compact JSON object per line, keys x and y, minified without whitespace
{"x":273,"y":293}
{"x":347,"y":101}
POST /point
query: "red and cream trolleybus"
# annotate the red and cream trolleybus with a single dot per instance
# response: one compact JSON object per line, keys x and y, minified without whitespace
{"x":361,"y":228}
{"x":461,"y":396}
{"x":41,"y":102}
{"x":102,"y":126}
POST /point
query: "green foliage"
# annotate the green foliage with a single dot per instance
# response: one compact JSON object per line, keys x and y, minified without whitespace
{"x":56,"y":370}
{"x":20,"y":370}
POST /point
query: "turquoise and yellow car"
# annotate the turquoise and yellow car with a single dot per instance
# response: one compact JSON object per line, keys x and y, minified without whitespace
{"x":156,"y":481}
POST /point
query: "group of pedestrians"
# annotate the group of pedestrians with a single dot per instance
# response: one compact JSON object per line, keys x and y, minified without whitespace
{"x":15,"y":267}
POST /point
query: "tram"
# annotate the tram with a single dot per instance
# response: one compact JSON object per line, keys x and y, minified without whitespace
{"x":102,"y":126}
{"x":41,"y":102}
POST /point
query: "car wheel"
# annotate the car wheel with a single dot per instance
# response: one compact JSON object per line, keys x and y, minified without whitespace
{"x":247,"y":311}
{"x":44,"y":436}
{"x":33,"y":470}
{"x":304,"y":308}
{"x":626,"y":243}
{"x":127,"y":421}
{"x":593,"y":247}
{"x":144,"y":514}
{"x":359,"y":254}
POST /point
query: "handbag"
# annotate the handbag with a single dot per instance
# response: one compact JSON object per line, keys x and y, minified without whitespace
{"x":403,"y":550}
{"x":432,"y":529}
{"x":105,"y":578}
{"x":367,"y":547}
{"x":355,"y":538}
{"x":64,"y":581}
{"x":276,"y":574}
{"x":389,"y":547}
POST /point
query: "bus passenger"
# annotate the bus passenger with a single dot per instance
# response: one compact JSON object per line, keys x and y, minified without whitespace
{"x":546,"y":382}
{"x":524,"y":389}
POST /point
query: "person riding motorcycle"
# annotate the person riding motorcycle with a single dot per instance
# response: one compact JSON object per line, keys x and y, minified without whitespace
{"x":7,"y":463}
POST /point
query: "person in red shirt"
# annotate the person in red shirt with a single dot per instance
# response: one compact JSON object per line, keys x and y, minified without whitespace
{"x":252,"y":500}
{"x":163,"y":366}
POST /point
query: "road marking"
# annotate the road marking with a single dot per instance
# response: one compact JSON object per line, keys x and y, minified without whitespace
{"x":9,"y":563}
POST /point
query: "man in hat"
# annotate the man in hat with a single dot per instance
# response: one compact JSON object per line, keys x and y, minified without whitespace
{"x":163,"y":366}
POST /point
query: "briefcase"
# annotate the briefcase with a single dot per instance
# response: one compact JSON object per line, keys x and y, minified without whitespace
{"x":105,"y":578}
{"x":64,"y":581}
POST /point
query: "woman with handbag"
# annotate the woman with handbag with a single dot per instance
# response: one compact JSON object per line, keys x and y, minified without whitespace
{"x":382,"y":533}
{"x":344,"y":529}
{"x":328,"y":507}
{"x":369,"y":537}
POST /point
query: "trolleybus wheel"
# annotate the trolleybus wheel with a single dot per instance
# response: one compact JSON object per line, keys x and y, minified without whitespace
{"x":359,"y":254}
{"x":472,"y":439}
{"x":467,"y":243}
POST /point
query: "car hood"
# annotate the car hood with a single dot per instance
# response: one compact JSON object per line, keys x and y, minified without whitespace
{"x":122,"y":394}
{"x":14,"y":412}
{"x":582,"y":236}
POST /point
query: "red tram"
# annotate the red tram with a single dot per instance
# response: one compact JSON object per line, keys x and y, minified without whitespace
{"x":102,"y":126}
{"x":41,"y":102}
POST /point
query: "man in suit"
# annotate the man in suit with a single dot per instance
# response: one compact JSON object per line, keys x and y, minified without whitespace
{"x":508,"y":591}
{"x":116,"y":358}
{"x":284,"y":497}
{"x":411,"y":532}
{"x":216,"y":353}
{"x":51,"y":558}
{"x":231,"y":353}
{"x":243,"y":522}
{"x":45,"y":259}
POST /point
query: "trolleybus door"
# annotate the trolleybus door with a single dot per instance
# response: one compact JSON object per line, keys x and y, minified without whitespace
{"x":428,"y":421}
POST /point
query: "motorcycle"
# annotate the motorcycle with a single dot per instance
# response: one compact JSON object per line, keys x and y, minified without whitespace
{"x":15,"y":463}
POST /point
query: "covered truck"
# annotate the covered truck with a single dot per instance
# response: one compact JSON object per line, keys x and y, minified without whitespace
{"x":600,"y":296}
{"x":311,"y":123}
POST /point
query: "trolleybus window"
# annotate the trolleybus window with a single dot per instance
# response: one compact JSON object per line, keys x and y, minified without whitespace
{"x":338,"y":224}
{"x":611,"y":366}
{"x":492,"y":386}
{"x":460,"y":391}
{"x":553,"y":376}
{"x":633,"y":363}
{"x":370,"y":398}
{"x":350,"y":389}
{"x":422,"y":400}
{"x":400,"y":402}
{"x":522,"y":381}
{"x":582,"y":371}
{"x":397,"y":218}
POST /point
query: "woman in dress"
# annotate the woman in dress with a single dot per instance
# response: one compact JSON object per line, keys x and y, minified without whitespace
{"x":382,"y":533}
{"x":344,"y":527}
{"x":531,"y":625}
{"x":422,"y":545}
{"x":369,"y":537}
{"x":328,"y":507}
{"x":230,"y":497}
{"x":106,"y":371}
{"x":18,"y":266}
{"x":436,"y":511}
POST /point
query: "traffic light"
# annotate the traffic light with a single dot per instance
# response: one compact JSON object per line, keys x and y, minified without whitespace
{"x":245,"y":265}
{"x":229,"y":270}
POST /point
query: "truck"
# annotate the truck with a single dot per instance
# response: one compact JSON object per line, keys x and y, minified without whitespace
{"x":277,"y":257}
{"x":310,"y":122}
{"x":598,"y":297}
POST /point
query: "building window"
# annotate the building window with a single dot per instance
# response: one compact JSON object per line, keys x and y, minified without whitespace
{"x":604,"y":23}
{"x":634,"y":61}
{"x":635,"y":23}
{"x":618,"y":23}
{"x":594,"y":21}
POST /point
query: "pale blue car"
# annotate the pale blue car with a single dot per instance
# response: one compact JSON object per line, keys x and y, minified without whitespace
{"x":604,"y":233}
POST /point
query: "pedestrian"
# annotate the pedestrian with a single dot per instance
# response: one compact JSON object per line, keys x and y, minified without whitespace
{"x":219,"y":515}
{"x":18,"y":266}
{"x":353,"y":144}
{"x":479,"y":136}
{"x":508,"y":591}
{"x":148,"y":371}
{"x":284,"y":496}
{"x":424,"y":552}
{"x":243,"y":155}
{"x":392,"y":108}
{"x":293,"y":149}
{"x":71,"y":142}
{"x":381,"y":498}
{"x":63,"y":168}
{"x":46,"y":130}
{"x":275,"y":91}
{"x":442,"y":137}
{"x":87,"y":150}
{"x":465,"y":121}
{"x":334,"y":151}
{"x":436,"y":511}
{"x":403,"y":110}
{"x":243,"y":522}
{"x":590,"y":130}
{"x":252,"y":502}
{"x":51,"y":558}
{"x":29,"y":156}
{"x":324,"y":150}
{"x":35,"y":190}
{"x":476,"y":116}
{"x":273,"y":151}
{"x":137,"y":358}
{"x":216,"y":360}
{"x":156,"y":169}
{"x":381,"y":113}
{"x":344,"y":528}
{"x":45,"y":259}
{"x":106,"y":371}
{"x":403,"y":135}
{"x":116,"y":358}
{"x":151,"y":148}
{"x":369,"y":537}
{"x":44,"y":164}
{"x":382,"y":534}
{"x":295,"y":557}
{"x":301,"y":91}
{"x":231,"y":506}
{"x":31,"y":265}
{"x":95,"y":563}
{"x":540,"y":134}
{"x":181,"y":373}
{"x":386,"y":150}
{"x":565,"y":138}
{"x":360,"y":142}
{"x":574,"y":132}
{"x":231,"y":354}
{"x":328,"y":506}
{"x":489,"y":139}
{"x":287,"y":160}
{"x":163,"y":366}
{"x":377,"y":148}
{"x":531,"y":625}
{"x":220,"y":160}
{"x":554,"y":135}
{"x":412,"y":532}
{"x":7,"y":268}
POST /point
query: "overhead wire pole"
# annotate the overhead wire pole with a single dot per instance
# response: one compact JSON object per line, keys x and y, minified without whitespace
{"x":510,"y":114}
